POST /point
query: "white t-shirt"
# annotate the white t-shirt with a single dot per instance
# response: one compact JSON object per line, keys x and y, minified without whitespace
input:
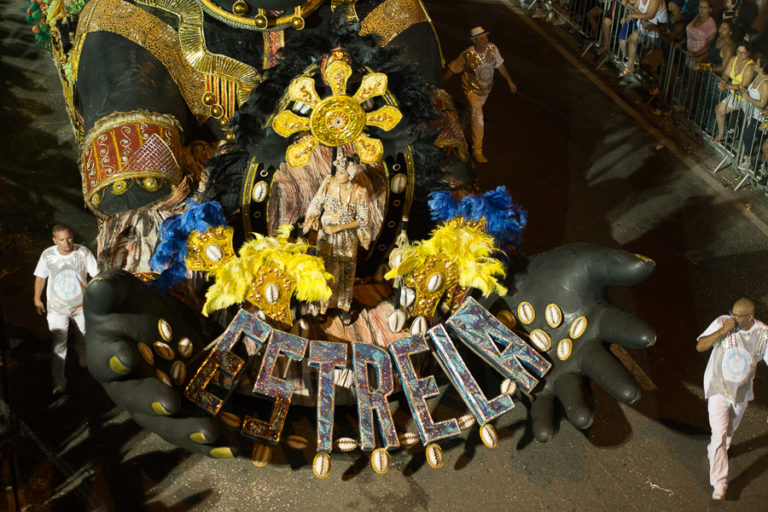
{"x":66,"y":277}
{"x":732,"y":364}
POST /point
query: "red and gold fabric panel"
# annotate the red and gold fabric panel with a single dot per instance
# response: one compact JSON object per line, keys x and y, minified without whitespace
{"x":451,"y":137}
{"x":130,"y":145}
{"x":223,"y":98}
{"x":273,"y":43}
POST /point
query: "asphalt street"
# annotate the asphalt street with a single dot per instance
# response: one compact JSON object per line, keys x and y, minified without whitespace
{"x":584,"y":164}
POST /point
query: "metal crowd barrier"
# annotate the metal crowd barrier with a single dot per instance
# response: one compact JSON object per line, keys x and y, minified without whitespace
{"x":563,"y":12}
{"x":678,"y":82}
{"x":692,"y":91}
{"x":609,"y":24}
{"x":621,"y":42}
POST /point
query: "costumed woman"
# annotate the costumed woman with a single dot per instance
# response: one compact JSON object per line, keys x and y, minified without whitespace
{"x":339,"y":213}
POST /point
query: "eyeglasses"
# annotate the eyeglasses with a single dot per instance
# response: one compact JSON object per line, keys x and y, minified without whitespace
{"x":738,"y":315}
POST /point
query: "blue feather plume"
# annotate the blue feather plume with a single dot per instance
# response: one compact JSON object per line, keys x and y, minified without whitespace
{"x":442,"y":205}
{"x":504,"y":220}
{"x":172,"y":250}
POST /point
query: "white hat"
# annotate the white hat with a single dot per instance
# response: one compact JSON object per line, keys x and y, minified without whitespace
{"x":477,"y":32}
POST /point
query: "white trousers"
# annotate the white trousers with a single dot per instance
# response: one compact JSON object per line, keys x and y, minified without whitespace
{"x":59,"y":326}
{"x":477,"y":124}
{"x":724,"y":419}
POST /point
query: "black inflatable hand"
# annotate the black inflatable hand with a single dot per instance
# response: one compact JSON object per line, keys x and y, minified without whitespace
{"x":121,"y":313}
{"x":575,"y":279}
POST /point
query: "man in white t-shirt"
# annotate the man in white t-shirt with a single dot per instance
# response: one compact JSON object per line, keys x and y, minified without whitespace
{"x":65,"y":266}
{"x":738,"y":342}
{"x":476,"y":65}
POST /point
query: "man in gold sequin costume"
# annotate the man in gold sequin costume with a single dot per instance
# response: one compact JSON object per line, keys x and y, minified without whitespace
{"x":476,"y":65}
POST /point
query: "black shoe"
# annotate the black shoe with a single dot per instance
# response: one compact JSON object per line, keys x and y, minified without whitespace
{"x":59,"y":390}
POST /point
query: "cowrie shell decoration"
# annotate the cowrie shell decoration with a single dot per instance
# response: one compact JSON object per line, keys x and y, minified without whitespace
{"x":525,"y":313}
{"x":578,"y":327}
{"x":541,"y":340}
{"x":553,"y":315}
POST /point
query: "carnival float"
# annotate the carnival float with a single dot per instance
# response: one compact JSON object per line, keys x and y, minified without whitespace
{"x":288,"y":219}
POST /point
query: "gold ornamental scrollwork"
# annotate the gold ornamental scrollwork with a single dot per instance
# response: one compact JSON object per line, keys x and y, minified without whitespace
{"x":192,"y":42}
{"x":259,"y":21}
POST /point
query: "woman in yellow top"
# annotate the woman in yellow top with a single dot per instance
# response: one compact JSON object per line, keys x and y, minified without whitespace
{"x":737,"y":71}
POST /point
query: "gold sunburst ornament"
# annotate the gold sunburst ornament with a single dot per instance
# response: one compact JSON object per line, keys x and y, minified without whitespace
{"x":337,"y":119}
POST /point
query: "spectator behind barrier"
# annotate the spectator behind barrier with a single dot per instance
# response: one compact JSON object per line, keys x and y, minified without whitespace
{"x":675,"y":29}
{"x":701,"y":33}
{"x":627,"y":28}
{"x":738,"y":70}
{"x":723,"y":48}
{"x":649,"y":18}
{"x":742,"y":16}
{"x":729,"y":11}
{"x":593,"y":15}
{"x":690,"y":9}
{"x":747,"y":14}
{"x":755,"y":93}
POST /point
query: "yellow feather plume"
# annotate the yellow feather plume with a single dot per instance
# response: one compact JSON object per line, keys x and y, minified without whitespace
{"x":234,"y":278}
{"x":465,"y":244}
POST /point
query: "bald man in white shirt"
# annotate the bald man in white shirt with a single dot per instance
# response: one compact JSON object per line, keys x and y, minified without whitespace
{"x":738,"y":342}
{"x":65,"y":267}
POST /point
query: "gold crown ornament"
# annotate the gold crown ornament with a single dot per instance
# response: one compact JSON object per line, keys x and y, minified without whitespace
{"x":271,"y":292}
{"x":429,"y":282}
{"x":209,"y":250}
{"x":458,"y":254}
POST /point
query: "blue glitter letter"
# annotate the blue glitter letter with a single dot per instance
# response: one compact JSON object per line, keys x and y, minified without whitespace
{"x":418,"y":390}
{"x":368,"y":399}
{"x":478,"y":329}
{"x":464,"y":382}
{"x":326,"y":356}
{"x":221,"y":359}
{"x":293,"y":347}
